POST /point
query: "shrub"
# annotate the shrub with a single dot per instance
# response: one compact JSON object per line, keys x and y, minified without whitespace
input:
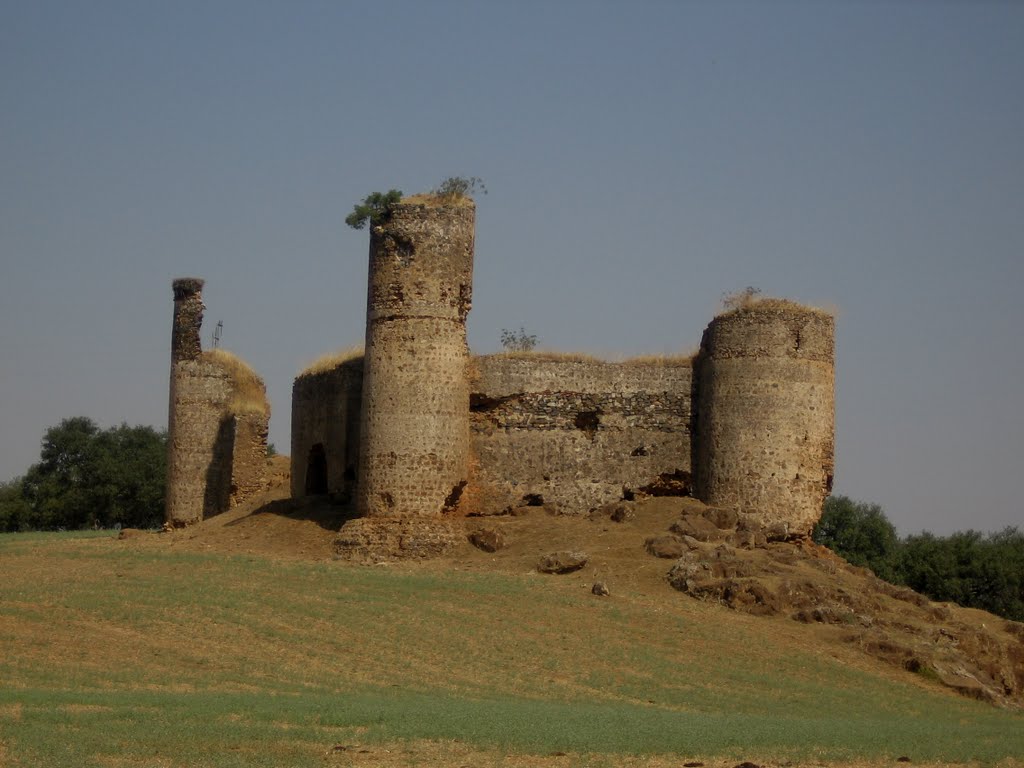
{"x":375,"y":206}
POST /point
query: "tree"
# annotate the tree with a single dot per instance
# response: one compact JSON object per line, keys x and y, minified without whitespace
{"x":375,"y":206}
{"x":460,"y":186}
{"x":968,"y":568}
{"x":14,"y":509}
{"x":517,"y":341}
{"x":859,"y":532}
{"x":92,"y":478}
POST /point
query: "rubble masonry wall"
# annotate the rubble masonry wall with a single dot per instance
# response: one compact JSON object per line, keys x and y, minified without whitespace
{"x":577,"y":433}
{"x":415,"y":403}
{"x":765,"y":427}
{"x":325,"y":413}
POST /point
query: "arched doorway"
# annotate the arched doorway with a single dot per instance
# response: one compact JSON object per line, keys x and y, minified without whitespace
{"x":316,"y":471}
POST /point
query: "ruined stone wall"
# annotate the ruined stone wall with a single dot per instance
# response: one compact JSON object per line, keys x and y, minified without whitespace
{"x":415,"y":414}
{"x":577,"y":434}
{"x":325,"y":413}
{"x":249,"y":455}
{"x":765,"y":429}
{"x":217,"y":420}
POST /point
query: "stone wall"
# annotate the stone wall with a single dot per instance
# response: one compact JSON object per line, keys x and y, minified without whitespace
{"x":217,"y":420}
{"x":577,"y":433}
{"x":325,"y":430}
{"x":765,"y":430}
{"x":415,"y":405}
{"x":200,"y":436}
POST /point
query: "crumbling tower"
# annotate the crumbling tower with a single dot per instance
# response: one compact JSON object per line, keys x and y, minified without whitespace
{"x":415,"y":403}
{"x":766,"y":412}
{"x":217,"y":420}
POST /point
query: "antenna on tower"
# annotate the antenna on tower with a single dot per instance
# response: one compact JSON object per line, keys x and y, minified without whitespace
{"x":217,"y":332}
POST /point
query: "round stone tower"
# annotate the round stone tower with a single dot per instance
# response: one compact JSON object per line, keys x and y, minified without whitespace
{"x":766,"y":412}
{"x":414,"y":462}
{"x":200,"y":392}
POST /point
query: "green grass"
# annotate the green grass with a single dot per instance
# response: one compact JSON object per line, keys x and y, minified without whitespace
{"x":118,"y":654}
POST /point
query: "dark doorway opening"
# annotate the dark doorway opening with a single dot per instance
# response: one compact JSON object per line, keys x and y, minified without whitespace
{"x":316,"y":471}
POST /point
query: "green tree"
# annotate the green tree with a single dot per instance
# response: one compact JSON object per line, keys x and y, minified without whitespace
{"x":859,"y":532}
{"x":92,"y":478}
{"x":14,"y":509}
{"x":968,"y":568}
{"x":375,"y":206}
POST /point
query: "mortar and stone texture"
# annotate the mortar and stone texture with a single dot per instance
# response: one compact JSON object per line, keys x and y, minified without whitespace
{"x":765,"y":431}
{"x":325,"y":430}
{"x":217,"y":421}
{"x":415,"y":433}
{"x":576,"y":434}
{"x":414,"y":426}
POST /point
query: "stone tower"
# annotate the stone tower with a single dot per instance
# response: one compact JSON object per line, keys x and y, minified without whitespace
{"x":765,"y":415}
{"x":414,"y":417}
{"x":217,"y":420}
{"x":414,"y":461}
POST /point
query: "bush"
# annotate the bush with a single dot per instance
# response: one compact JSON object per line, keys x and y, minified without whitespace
{"x":375,"y":207}
{"x":460,"y":186}
{"x":860,"y":532}
{"x":517,"y":341}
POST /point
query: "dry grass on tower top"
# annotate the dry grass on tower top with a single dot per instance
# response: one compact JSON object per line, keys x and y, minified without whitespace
{"x":330,"y":361}
{"x":249,"y":392}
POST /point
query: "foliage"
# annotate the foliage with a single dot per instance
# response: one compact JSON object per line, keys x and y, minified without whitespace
{"x":517,"y":341}
{"x":271,"y":450}
{"x":460,"y":186}
{"x":375,"y":206}
{"x":968,"y":567}
{"x":741,"y":299}
{"x":88,"y":478}
{"x":859,"y":532}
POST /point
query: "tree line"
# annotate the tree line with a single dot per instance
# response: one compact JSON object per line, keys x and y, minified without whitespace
{"x":89,"y":477}
{"x":971,"y":568}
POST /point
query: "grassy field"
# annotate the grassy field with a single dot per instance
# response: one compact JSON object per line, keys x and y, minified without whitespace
{"x":126,"y":653}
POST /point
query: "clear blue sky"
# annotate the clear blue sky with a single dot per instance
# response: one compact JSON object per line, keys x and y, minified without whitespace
{"x":643,"y":158}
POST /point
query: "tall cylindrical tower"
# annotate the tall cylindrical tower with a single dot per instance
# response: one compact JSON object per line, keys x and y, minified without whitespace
{"x":199,"y":394}
{"x":415,"y":406}
{"x":766,"y":412}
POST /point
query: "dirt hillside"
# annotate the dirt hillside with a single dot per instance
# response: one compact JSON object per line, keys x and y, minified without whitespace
{"x":672,"y":548}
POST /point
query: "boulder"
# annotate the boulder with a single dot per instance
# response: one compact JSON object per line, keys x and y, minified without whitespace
{"x":562,"y":562}
{"x":667,"y":545}
{"x":488,"y":539}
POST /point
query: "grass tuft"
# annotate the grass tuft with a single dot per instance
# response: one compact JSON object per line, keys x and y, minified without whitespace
{"x":332,"y":360}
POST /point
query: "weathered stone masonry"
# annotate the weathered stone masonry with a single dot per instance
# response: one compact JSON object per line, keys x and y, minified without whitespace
{"x":217,"y":420}
{"x":747,"y":424}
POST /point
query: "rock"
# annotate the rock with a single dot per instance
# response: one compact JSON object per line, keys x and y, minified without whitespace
{"x":725,"y":519}
{"x":697,"y":526}
{"x":777,"y":531}
{"x":687,"y":573}
{"x":666,"y":545}
{"x":621,"y":514}
{"x":488,"y":539}
{"x":600,"y":589}
{"x":521,"y":511}
{"x":562,"y":562}
{"x":616,"y":510}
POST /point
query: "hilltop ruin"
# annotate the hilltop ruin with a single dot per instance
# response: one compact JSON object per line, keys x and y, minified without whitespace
{"x":416,"y":433}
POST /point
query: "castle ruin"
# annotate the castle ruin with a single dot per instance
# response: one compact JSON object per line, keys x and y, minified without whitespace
{"x":217,"y":420}
{"x":415,"y":433}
